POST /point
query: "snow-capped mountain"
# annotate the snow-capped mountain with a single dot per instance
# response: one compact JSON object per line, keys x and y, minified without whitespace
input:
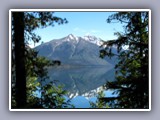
{"x":93,"y":40}
{"x":73,"y":50}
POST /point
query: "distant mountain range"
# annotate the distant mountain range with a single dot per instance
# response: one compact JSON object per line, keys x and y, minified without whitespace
{"x":72,"y":50}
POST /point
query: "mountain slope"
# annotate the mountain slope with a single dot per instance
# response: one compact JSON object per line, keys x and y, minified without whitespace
{"x":72,"y":50}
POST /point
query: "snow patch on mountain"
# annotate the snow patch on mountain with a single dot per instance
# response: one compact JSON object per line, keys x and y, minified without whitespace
{"x":93,"y":40}
{"x":72,"y":38}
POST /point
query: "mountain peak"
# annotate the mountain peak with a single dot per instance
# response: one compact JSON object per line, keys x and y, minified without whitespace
{"x":93,"y":40}
{"x":71,"y":37}
{"x":90,"y":37}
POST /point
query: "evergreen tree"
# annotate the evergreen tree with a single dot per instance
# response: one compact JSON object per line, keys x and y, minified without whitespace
{"x":24,"y":66}
{"x":18,"y":38}
{"x":132,"y":70}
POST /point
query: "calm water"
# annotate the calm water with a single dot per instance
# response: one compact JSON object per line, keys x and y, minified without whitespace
{"x":83,"y":83}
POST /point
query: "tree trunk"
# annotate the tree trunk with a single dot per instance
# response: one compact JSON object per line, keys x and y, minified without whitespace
{"x":18,"y":38}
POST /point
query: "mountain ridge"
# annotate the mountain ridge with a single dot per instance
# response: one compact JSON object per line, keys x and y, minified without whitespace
{"x":73,"y":50}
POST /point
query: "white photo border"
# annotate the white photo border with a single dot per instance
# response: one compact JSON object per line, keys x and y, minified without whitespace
{"x":78,"y":10}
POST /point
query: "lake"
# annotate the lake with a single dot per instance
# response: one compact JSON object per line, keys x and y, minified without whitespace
{"x":83,"y":83}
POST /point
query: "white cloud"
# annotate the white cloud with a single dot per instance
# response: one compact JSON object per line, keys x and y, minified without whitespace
{"x":31,"y":45}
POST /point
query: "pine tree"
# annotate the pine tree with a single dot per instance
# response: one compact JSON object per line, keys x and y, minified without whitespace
{"x":23,"y":59}
{"x":132,"y":70}
{"x":18,"y":38}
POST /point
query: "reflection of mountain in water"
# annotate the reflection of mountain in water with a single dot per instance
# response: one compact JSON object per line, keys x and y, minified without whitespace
{"x":81,"y":80}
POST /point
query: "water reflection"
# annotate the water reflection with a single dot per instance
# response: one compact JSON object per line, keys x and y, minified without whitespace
{"x":82,"y":83}
{"x":82,"y":80}
{"x":84,"y":100}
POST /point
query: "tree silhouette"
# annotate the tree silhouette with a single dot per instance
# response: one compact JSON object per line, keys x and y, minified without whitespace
{"x":132,"y":80}
{"x":23,"y":26}
{"x":18,"y":38}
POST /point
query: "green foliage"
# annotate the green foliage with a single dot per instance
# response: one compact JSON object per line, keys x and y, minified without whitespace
{"x":53,"y":97}
{"x":35,"y":20}
{"x":35,"y":66}
{"x":99,"y":103}
{"x":132,"y":67}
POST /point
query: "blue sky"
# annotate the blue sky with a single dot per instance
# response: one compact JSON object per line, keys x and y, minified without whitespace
{"x":81,"y":24}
